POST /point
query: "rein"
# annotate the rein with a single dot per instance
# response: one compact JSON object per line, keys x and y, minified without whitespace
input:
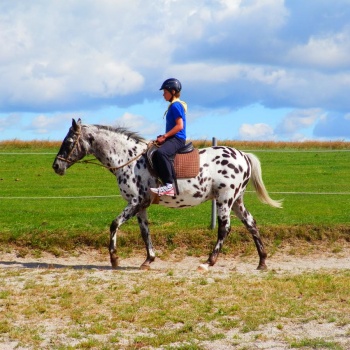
{"x":92,"y":161}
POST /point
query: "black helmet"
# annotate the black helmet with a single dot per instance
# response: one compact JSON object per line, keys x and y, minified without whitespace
{"x":171,"y":84}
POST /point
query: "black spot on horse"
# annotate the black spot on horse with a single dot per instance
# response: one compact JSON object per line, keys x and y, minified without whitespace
{"x":198,"y":195}
{"x":237,"y":190}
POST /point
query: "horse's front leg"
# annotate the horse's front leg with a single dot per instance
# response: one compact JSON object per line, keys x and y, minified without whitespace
{"x":127,"y":213}
{"x":143,"y":224}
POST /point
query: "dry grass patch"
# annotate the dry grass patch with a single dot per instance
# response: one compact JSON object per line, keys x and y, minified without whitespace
{"x":332,"y":145}
{"x":129,"y":309}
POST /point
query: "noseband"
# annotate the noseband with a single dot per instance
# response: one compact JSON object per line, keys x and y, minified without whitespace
{"x":76,"y":143}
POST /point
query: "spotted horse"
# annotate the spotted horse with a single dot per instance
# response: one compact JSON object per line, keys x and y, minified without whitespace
{"x":224,"y":174}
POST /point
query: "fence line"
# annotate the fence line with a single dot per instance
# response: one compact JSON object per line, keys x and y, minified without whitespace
{"x":26,"y":153}
{"x":310,"y":193}
{"x":118,"y":195}
{"x":67,"y":197}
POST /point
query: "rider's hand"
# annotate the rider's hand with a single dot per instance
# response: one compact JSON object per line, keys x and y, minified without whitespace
{"x":161,"y":139}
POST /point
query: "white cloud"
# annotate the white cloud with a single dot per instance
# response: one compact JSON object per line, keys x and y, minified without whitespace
{"x":327,"y":51}
{"x":42,"y":124}
{"x":298,"y":120}
{"x":10,"y":121}
{"x":256,"y":132}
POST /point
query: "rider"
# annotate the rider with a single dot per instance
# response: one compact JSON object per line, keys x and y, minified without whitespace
{"x":174,"y":137}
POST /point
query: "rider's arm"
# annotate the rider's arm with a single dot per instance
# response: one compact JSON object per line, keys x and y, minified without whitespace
{"x":179,"y":125}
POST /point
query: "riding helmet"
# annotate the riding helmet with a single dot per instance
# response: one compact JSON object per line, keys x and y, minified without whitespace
{"x":171,"y":84}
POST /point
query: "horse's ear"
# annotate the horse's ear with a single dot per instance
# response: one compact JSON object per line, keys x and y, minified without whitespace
{"x":76,"y":125}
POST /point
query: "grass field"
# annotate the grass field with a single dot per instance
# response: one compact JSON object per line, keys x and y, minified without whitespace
{"x":41,"y":210}
{"x":173,"y":307}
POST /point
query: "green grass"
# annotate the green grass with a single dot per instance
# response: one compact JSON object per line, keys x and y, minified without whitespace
{"x":67,"y":222}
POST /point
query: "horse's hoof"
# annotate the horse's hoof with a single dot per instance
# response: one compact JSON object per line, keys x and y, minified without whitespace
{"x":262,"y":267}
{"x":114,"y":262}
{"x":145,"y":267}
{"x":203,"y":268}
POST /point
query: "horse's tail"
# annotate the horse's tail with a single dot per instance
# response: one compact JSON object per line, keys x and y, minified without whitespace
{"x":258,"y":183}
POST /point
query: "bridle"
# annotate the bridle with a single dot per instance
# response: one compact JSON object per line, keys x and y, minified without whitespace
{"x":92,"y":161}
{"x":75,"y":144}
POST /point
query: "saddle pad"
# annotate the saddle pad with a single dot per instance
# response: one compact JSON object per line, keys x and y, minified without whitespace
{"x":187,"y":165}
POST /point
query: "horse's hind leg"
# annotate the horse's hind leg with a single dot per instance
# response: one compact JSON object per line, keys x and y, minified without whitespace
{"x":249,"y":222}
{"x":143,"y":224}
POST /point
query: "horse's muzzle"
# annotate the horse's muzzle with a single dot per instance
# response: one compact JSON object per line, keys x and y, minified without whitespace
{"x":58,"y":167}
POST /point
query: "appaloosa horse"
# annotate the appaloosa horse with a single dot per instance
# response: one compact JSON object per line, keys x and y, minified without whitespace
{"x":223,"y":175}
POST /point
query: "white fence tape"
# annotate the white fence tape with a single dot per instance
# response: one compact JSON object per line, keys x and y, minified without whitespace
{"x":118,"y":195}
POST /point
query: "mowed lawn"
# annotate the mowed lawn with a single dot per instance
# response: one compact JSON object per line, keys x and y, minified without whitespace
{"x":38,"y":207}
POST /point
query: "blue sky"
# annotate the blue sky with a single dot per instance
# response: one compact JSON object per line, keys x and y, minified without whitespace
{"x":250,"y":69}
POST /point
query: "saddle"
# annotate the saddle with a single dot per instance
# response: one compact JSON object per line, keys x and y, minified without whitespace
{"x":185,"y":162}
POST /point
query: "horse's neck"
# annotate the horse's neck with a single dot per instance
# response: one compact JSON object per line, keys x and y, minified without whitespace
{"x":114,"y":149}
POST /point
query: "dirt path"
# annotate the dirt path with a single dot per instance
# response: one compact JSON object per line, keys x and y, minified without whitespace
{"x":98,"y":265}
{"x":280,"y":262}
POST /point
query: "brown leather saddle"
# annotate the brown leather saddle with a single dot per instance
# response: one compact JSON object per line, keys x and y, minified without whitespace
{"x":185,"y":162}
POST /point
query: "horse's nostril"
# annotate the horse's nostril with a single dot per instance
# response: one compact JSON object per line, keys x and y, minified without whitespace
{"x":55,"y":166}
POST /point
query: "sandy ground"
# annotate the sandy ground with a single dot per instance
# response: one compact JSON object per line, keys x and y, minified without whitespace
{"x":280,"y":263}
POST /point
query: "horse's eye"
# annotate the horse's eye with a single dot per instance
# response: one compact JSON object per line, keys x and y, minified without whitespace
{"x":70,"y":140}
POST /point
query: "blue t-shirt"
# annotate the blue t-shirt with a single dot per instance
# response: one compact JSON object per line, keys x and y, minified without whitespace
{"x":176,"y":110}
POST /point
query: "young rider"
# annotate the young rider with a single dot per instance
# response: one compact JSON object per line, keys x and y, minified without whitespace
{"x":174,"y":137}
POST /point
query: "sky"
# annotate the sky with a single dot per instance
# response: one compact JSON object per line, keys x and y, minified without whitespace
{"x":254,"y":70}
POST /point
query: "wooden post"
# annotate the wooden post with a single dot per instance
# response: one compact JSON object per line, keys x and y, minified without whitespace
{"x":213,"y":203}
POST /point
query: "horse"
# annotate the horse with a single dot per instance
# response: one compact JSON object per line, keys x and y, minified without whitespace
{"x":223,"y":176}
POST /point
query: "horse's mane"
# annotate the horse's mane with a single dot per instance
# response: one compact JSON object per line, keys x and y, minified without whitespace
{"x":121,"y":130}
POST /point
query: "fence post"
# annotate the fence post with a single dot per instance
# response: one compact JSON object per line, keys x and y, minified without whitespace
{"x":213,"y":203}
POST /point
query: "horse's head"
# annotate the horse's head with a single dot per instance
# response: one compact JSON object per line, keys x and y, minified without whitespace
{"x":71,"y":150}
